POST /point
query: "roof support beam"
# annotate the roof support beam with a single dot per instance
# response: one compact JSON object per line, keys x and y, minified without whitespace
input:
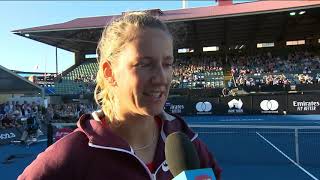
{"x":283,"y":30}
{"x":62,"y":41}
{"x":57,"y":72}
{"x":252,"y":41}
{"x":226,"y":34}
{"x":195,"y":40}
{"x":225,"y":44}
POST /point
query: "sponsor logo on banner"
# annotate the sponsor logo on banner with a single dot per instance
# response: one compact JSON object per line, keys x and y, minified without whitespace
{"x":203,"y":177}
{"x":165,"y":166}
{"x":7,"y":136}
{"x":204,"y":107}
{"x":306,"y":105}
{"x":167,"y":105}
{"x":235,"y":106}
{"x":177,"y":109}
{"x":269,"y":106}
{"x":62,"y":132}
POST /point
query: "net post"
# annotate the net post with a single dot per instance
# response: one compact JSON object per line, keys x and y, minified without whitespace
{"x":296,"y":137}
{"x":49,"y":134}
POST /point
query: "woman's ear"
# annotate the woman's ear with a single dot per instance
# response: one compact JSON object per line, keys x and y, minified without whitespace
{"x":107,"y":72}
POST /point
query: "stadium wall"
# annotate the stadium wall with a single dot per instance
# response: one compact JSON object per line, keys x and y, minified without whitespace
{"x":276,"y":104}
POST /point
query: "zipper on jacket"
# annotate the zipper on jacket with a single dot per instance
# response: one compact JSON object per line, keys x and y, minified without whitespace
{"x":152,"y":176}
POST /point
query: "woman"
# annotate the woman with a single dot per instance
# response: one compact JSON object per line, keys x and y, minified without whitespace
{"x":125,"y":140}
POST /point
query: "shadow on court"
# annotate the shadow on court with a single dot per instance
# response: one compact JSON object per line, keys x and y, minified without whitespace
{"x":14,"y":158}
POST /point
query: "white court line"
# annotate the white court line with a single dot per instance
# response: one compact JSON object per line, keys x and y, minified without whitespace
{"x":247,"y":122}
{"x":307,"y":172}
{"x":251,"y":126}
{"x":42,"y":140}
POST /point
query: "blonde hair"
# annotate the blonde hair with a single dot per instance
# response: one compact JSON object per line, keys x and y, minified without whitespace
{"x":113,"y":39}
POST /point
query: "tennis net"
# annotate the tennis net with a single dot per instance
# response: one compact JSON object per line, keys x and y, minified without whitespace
{"x":261,"y":144}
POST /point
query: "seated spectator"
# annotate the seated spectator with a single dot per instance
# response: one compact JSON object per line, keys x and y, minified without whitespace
{"x":32,"y":128}
{"x":7,"y":121}
{"x":225,"y":92}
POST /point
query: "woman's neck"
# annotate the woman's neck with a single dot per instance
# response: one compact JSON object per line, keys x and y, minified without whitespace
{"x":136,"y":131}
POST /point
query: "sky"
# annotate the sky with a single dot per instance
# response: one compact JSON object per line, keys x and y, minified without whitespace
{"x":19,"y":53}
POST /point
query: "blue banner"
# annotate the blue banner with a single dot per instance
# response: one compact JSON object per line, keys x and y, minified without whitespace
{"x":9,"y":134}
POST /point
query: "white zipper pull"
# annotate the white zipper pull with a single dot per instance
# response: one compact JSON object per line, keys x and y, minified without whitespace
{"x":154,"y":177}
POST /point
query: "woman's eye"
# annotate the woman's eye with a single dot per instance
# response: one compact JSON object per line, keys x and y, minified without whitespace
{"x":168,"y":64}
{"x":142,"y":65}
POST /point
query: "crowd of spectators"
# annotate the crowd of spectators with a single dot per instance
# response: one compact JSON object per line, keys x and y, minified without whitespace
{"x":267,"y":69}
{"x":87,"y":83}
{"x":303,"y":62}
{"x":271,"y":79}
{"x":261,"y":69}
{"x":307,"y":79}
{"x":68,"y":112}
{"x":85,"y":78}
{"x":13,"y":113}
{"x":194,"y":70}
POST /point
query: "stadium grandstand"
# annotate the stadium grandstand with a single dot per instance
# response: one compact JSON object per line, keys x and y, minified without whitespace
{"x":252,"y":47}
{"x":246,"y":78}
{"x":245,"y":49}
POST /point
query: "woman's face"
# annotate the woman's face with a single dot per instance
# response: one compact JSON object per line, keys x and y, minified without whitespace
{"x":143,"y":73}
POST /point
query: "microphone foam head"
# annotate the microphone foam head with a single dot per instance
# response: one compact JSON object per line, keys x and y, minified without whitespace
{"x":180,"y":153}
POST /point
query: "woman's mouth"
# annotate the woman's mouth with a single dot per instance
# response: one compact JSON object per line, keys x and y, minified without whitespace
{"x":154,"y":94}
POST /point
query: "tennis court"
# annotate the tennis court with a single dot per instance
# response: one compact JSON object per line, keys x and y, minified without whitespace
{"x":263,"y":147}
{"x":14,"y":158}
{"x":247,"y":147}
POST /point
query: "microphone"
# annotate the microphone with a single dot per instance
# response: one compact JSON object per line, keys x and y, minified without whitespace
{"x":182,"y":159}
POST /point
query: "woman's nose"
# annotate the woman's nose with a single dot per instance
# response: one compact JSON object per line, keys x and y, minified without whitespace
{"x":160,"y":75}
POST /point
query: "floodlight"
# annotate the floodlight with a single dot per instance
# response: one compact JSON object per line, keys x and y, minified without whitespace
{"x":292,"y":13}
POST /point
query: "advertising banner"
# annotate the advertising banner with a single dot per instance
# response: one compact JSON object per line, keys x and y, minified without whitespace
{"x":235,"y":105}
{"x":8,"y":135}
{"x":269,"y":104}
{"x":252,"y":104}
{"x":177,"y":105}
{"x":304,"y":103}
{"x":203,"y":106}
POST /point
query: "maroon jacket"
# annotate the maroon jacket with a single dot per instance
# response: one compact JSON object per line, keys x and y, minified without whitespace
{"x":92,"y":152}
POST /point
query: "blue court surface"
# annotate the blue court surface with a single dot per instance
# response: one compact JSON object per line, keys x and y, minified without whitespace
{"x":246,"y":147}
{"x":263,"y":147}
{"x":14,"y":158}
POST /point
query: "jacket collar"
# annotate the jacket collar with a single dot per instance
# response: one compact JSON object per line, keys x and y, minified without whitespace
{"x":98,"y":115}
{"x":101,"y":136}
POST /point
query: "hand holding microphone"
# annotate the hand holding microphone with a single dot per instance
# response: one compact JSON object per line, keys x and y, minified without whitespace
{"x":182,"y":159}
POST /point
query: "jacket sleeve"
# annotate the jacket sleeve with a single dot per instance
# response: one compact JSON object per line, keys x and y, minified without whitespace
{"x":51,"y":164}
{"x":59,"y":161}
{"x":207,"y":159}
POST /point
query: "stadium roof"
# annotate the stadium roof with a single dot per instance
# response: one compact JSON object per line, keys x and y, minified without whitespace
{"x":83,"y":33}
{"x":12,"y":83}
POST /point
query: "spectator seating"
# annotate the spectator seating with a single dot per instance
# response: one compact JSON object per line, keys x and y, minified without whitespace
{"x":79,"y":80}
{"x":296,"y":68}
